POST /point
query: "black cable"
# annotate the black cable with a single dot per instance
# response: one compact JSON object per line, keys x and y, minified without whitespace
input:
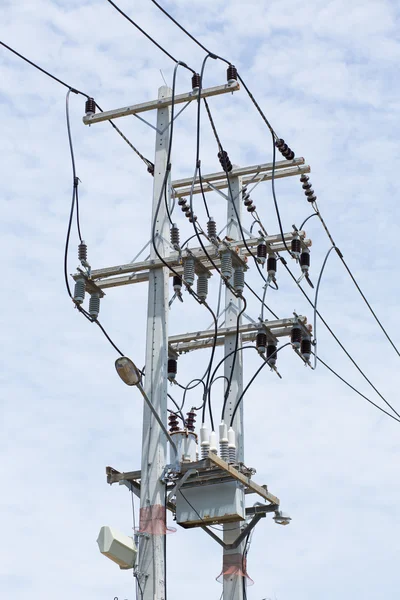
{"x":305,"y":220}
{"x":166,"y":175}
{"x":355,"y":390}
{"x":316,"y":304}
{"x":75,"y":179}
{"x":253,"y":378}
{"x":340,"y":255}
{"x":261,"y":300}
{"x":147,"y":35}
{"x":74,"y":90}
{"x":216,"y":56}
{"x":274,"y":195}
{"x":336,"y":338}
{"x":216,"y":369}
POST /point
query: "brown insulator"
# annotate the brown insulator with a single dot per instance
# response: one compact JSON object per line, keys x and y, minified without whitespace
{"x":196,"y":81}
{"x":231,"y":74}
{"x":191,"y":420}
{"x":173,"y":423}
{"x":90,"y":106}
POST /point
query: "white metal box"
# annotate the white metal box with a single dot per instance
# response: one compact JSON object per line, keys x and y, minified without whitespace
{"x":205,"y":504}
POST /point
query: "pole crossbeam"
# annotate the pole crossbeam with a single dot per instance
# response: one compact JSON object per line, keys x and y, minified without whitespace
{"x":223,"y":184}
{"x":135,"y":109}
{"x":240,"y":172}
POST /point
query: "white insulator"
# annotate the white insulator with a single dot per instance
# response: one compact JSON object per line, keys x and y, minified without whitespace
{"x":204,"y":441}
{"x":231,"y":445}
{"x":213,"y":442}
{"x":223,"y":441}
{"x":188,"y":270}
{"x":94,"y":305}
{"x":226,"y":264}
{"x":79,"y":291}
{"x":202,"y":285}
{"x":238,"y":280}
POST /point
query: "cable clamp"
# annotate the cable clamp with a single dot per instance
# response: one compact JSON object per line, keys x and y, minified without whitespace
{"x":76,"y":181}
{"x":338,"y":252}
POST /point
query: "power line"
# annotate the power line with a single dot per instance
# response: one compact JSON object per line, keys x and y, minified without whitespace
{"x":33,"y":64}
{"x":340,"y":255}
{"x":355,"y":390}
{"x":149,"y":164}
{"x":147,"y":35}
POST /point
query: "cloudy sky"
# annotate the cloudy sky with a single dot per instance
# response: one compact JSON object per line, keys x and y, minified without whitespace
{"x":325,"y":73}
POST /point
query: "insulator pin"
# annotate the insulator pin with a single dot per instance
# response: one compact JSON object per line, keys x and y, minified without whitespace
{"x":261,"y":342}
{"x":238,"y":279}
{"x":226,"y":264}
{"x":271,"y":354}
{"x":82,"y":251}
{"x":306,"y":348}
{"x":90,"y":107}
{"x":231,"y":74}
{"x":225,"y":161}
{"x":261,"y":252}
{"x":295,"y":336}
{"x":172,"y":368}
{"x":94,"y":305}
{"x":196,"y":82}
{"x":188,"y":270}
{"x":173,"y":423}
{"x":284,"y":149}
{"x":202,"y":285}
{"x":190,"y":421}
{"x":174,"y":236}
{"x":79,"y":291}
{"x":211,"y":229}
{"x":271,"y":265}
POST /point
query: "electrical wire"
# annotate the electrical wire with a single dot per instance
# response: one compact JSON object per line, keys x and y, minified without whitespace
{"x":337,"y":339}
{"x":252,"y":379}
{"x":339,"y":253}
{"x":147,"y":35}
{"x":357,"y":391}
{"x":316,"y":304}
{"x":148,"y":163}
{"x":166,"y":175}
{"x":74,"y":90}
{"x":215,"y":56}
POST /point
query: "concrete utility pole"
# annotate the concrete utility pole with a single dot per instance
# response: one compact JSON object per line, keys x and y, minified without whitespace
{"x":233,"y":588}
{"x":151,"y":571}
{"x":216,"y":485}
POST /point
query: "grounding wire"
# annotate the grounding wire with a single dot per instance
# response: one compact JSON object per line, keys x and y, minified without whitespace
{"x":147,"y":35}
{"x":252,"y":380}
{"x":355,"y":390}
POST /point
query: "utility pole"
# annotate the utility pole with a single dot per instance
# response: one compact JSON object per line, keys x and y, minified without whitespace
{"x":151,"y":572}
{"x":232,"y":584}
{"x":209,"y":491}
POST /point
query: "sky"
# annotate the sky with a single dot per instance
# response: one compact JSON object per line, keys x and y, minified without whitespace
{"x":325,"y":74}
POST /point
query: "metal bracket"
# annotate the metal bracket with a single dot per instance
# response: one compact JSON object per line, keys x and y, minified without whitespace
{"x":240,"y":537}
